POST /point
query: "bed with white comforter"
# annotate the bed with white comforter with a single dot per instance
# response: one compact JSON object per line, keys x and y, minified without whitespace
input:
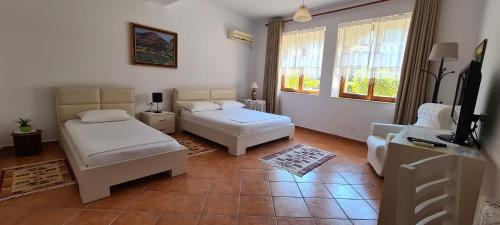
{"x":110,"y":142}
{"x":237,"y":121}
{"x":227,"y":123}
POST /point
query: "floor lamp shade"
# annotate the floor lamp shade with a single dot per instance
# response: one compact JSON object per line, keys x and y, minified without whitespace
{"x":157,"y":97}
{"x":445,"y":50}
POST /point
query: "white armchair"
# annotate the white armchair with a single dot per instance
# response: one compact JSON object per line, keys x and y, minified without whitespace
{"x":429,"y":115}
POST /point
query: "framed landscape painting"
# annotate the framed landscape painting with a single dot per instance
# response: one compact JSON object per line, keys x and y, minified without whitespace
{"x":153,"y":47}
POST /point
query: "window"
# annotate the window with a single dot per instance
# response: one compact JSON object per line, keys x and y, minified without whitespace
{"x":301,"y":57}
{"x":369,"y":57}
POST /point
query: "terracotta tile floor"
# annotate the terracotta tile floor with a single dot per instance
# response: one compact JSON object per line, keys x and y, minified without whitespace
{"x":220,"y":189}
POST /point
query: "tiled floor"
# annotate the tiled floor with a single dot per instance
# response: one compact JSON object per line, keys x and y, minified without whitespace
{"x":223,"y":190}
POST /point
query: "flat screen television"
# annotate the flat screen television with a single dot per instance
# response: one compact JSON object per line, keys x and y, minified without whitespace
{"x":464,"y":105}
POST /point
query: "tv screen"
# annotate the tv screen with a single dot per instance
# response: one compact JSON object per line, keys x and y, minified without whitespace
{"x":464,"y":104}
{"x":459,"y":92}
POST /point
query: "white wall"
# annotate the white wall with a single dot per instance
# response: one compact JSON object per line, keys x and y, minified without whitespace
{"x":458,"y":22}
{"x":488,"y":102}
{"x":49,"y":43}
{"x":344,"y":117}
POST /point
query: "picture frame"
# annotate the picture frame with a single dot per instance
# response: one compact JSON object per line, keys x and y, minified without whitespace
{"x":153,"y":47}
{"x":480,"y":51}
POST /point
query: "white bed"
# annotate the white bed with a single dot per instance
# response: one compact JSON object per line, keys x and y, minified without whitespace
{"x":235,"y":128}
{"x":111,"y":142}
{"x":110,"y":153}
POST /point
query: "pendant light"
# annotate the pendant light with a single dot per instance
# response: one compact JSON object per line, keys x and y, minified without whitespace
{"x":302,"y":15}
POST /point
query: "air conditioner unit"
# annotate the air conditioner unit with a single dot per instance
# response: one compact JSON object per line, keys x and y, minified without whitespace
{"x":240,"y":36}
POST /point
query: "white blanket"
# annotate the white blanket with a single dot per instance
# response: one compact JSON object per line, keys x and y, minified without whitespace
{"x":249,"y":116}
{"x":97,"y":138}
{"x":226,"y":120}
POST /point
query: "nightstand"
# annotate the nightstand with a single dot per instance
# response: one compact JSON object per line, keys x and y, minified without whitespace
{"x":27,"y":144}
{"x":164,"y":121}
{"x":257,"y":105}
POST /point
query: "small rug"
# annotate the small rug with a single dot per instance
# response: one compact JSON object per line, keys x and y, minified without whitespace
{"x":299,"y":159}
{"x":195,"y":147}
{"x":26,"y":179}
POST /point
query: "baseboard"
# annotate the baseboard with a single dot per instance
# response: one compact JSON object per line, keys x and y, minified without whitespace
{"x":46,"y":142}
{"x":333,"y":135}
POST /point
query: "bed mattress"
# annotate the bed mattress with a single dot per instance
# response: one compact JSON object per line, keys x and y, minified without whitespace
{"x":106,"y":143}
{"x":237,"y":121}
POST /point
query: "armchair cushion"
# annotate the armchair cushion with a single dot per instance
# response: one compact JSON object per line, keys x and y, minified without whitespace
{"x":434,"y":116}
{"x":382,"y":129}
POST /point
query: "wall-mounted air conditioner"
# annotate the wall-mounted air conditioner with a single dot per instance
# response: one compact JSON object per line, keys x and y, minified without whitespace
{"x":240,"y":36}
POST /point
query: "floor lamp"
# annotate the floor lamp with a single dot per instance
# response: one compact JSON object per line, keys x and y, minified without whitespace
{"x":445,"y":51}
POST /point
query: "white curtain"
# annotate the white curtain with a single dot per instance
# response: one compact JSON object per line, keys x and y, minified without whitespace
{"x":372,"y":48}
{"x":301,"y":53}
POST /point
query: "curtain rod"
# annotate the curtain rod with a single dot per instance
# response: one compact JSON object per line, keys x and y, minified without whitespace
{"x":342,"y":9}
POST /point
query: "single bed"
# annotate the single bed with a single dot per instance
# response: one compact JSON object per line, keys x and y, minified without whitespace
{"x":236,"y":129}
{"x":110,"y":153}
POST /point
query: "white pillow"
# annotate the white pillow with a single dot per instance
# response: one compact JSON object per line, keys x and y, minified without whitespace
{"x":105,"y":115}
{"x":229,"y":104}
{"x":199,"y":106}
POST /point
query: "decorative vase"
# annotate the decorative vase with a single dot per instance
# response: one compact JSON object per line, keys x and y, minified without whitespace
{"x":25,"y":129}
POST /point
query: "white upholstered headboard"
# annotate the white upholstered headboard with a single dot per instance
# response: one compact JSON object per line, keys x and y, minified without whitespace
{"x":186,"y":95}
{"x":72,"y":100}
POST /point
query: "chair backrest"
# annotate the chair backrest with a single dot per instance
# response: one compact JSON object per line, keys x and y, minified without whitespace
{"x":427,"y":191}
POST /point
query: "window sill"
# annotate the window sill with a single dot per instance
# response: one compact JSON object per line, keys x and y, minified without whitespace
{"x":299,"y":93}
{"x":364,"y":100}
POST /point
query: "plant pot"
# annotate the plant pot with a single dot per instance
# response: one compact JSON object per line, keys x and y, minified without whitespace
{"x":25,"y":129}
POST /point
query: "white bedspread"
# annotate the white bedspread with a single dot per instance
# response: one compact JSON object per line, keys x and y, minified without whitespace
{"x":237,"y":121}
{"x":101,"y":143}
{"x":249,"y":116}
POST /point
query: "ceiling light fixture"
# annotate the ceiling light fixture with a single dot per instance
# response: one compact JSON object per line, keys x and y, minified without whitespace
{"x":302,"y":15}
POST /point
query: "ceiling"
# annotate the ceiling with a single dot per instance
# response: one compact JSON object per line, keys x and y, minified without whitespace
{"x":260,"y":9}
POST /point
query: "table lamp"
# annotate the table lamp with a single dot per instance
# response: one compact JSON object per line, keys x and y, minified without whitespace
{"x":157,"y":98}
{"x":445,"y":51}
{"x":254,"y":87}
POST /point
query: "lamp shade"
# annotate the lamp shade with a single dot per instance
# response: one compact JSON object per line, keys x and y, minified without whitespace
{"x":254,"y":85}
{"x":446,"y":50}
{"x":302,"y":15}
{"x":157,"y":97}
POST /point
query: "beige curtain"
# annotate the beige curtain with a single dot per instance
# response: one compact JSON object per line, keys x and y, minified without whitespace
{"x":271,"y":78}
{"x":413,"y":82}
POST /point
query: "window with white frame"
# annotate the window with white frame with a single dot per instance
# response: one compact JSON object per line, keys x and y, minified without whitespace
{"x":301,"y":57}
{"x":369,"y":57}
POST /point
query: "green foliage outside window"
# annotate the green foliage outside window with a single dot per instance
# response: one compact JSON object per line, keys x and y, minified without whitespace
{"x":310,"y":83}
{"x":386,"y":82}
{"x":386,"y":87}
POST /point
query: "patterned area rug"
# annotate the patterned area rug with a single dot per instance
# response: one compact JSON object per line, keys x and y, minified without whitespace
{"x":195,"y":145}
{"x":27,"y":179}
{"x":299,"y":159}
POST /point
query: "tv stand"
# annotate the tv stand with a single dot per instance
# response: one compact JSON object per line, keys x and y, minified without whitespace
{"x":451,"y":138}
{"x":471,"y":140}
{"x":401,"y":151}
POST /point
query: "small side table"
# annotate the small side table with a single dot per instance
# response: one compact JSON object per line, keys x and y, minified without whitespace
{"x":164,"y":121}
{"x":27,"y":144}
{"x":257,"y":105}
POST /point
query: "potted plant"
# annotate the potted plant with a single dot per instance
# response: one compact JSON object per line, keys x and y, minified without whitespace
{"x":24,"y":125}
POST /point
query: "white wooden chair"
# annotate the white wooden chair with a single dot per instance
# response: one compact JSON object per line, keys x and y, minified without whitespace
{"x":427,"y":191}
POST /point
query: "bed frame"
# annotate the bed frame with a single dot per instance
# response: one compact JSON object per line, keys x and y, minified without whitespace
{"x":236,"y":145}
{"x":94,"y":182}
